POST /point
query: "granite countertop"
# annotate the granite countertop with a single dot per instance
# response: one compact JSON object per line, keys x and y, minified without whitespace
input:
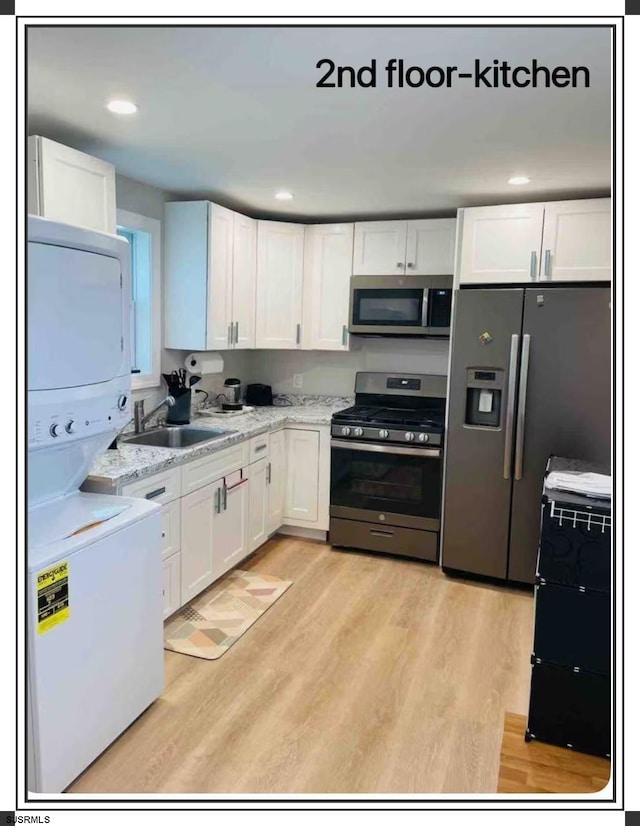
{"x":131,"y":462}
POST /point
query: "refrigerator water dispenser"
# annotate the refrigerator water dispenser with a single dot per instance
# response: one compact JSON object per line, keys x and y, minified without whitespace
{"x":484,"y":397}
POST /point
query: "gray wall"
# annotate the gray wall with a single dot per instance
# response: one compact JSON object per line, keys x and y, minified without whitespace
{"x":334,"y":373}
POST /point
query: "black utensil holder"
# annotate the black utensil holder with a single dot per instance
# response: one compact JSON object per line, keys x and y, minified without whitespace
{"x":180,"y":413}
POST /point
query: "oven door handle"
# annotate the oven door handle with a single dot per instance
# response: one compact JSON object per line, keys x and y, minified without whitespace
{"x":427,"y":452}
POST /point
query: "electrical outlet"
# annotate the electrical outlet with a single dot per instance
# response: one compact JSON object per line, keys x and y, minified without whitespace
{"x":297,"y":381}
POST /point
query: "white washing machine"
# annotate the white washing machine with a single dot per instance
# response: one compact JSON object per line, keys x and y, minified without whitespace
{"x":95,"y":632}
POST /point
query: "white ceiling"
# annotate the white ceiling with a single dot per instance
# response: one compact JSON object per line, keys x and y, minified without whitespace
{"x":233,"y":114}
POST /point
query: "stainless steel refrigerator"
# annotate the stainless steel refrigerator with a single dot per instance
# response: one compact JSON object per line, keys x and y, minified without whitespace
{"x":530,"y":377}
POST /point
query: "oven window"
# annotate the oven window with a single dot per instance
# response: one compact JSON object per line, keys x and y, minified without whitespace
{"x":440,"y":308}
{"x":396,"y":308}
{"x":386,"y":482}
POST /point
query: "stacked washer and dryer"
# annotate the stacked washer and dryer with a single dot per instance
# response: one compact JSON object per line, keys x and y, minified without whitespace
{"x":94,"y":563}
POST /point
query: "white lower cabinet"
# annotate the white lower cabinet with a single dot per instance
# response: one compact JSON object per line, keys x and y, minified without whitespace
{"x":308,"y":471}
{"x":276,"y":480}
{"x":218,"y":509}
{"x":258,"y":503}
{"x":170,"y":528}
{"x":171,"y":584}
{"x":230,"y":528}
{"x":198,"y":516}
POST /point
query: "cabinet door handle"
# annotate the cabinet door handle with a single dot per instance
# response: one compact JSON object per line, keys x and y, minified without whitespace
{"x":216,"y":501}
{"x":344,"y":335}
{"x":269,"y":473}
{"x":547,"y":263}
{"x":224,"y":497}
{"x":533,"y":266}
{"x":153,"y":493}
{"x":381,"y":533}
{"x":229,"y":333}
{"x":298,"y":332}
{"x":235,"y":338}
{"x":522,"y":406}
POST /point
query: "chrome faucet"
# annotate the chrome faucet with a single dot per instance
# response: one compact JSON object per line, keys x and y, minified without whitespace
{"x":139,"y":418}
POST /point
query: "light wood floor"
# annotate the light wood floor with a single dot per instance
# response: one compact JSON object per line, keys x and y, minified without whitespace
{"x":526,"y":768}
{"x":370,"y":675}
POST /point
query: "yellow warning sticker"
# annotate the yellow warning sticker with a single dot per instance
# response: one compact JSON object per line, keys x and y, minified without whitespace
{"x":53,"y":596}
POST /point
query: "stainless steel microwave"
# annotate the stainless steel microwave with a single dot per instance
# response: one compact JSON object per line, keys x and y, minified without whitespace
{"x":410,"y":305}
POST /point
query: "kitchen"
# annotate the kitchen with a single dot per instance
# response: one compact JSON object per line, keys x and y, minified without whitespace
{"x":384,"y":485}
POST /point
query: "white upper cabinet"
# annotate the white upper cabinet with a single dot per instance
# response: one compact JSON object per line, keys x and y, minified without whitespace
{"x":243,"y":303}
{"x":70,"y":186}
{"x":379,"y":247}
{"x":576,"y":241}
{"x":210,"y":260}
{"x":431,"y":246}
{"x":220,"y":275}
{"x":328,"y":255}
{"x":525,"y":243}
{"x":420,"y":247}
{"x":279,"y":285}
{"x":501,"y":244}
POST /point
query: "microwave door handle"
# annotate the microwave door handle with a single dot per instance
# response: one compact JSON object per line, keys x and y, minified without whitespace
{"x":425,"y":307}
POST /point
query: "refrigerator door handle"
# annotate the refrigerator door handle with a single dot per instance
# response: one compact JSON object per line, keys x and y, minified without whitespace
{"x":522,"y":405}
{"x":511,"y":403}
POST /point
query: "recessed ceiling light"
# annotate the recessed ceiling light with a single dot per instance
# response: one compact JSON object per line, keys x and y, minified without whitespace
{"x":122,"y":107}
{"x":517,"y":180}
{"x":284,"y":196}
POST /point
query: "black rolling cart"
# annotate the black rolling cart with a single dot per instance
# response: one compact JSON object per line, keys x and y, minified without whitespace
{"x":570,"y":701}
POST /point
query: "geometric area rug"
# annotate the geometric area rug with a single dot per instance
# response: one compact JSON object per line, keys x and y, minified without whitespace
{"x":212,"y":622}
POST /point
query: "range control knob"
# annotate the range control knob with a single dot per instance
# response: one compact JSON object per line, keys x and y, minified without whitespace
{"x":384,"y":434}
{"x":55,"y":430}
{"x":409,"y":437}
{"x":358,"y":431}
{"x":122,"y":402}
{"x":423,"y":437}
{"x":70,"y":427}
{"x":345,"y":431}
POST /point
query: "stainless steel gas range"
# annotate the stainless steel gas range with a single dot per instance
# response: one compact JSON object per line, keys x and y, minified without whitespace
{"x":386,"y":465}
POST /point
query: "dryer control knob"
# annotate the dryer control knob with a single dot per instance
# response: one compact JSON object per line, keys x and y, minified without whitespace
{"x":70,"y":427}
{"x":56,"y":430}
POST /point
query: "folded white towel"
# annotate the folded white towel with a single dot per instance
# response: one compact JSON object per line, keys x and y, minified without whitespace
{"x":597,"y":485}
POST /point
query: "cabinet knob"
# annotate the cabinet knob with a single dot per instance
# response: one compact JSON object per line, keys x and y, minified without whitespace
{"x":400,"y":264}
{"x":411,"y":265}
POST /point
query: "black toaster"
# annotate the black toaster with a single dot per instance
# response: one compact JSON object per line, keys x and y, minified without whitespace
{"x":259,"y":395}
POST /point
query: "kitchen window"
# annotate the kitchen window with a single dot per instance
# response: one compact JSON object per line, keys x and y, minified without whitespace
{"x":143,"y":235}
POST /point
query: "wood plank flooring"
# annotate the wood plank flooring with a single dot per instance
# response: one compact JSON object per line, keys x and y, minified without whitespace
{"x":527,"y":768}
{"x":370,"y":675}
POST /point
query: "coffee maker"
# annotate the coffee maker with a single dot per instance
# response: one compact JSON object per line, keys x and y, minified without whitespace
{"x":232,"y":394}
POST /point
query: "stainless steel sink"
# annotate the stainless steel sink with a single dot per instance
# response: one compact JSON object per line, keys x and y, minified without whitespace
{"x":183,"y":436}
